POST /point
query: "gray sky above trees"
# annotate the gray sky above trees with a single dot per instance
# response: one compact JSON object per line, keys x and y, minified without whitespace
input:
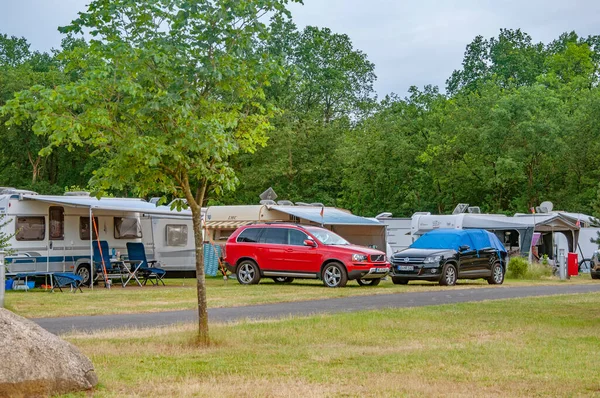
{"x":410,"y":42}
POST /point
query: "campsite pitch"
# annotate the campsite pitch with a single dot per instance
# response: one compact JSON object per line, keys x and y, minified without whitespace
{"x":545,"y":346}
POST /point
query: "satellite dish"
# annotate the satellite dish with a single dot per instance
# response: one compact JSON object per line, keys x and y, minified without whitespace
{"x":548,"y":206}
{"x":269,"y":194}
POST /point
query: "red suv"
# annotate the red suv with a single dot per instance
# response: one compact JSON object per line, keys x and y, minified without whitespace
{"x":287,"y":251}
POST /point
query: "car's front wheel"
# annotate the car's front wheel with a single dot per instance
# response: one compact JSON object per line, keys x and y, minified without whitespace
{"x":497,"y":277}
{"x":449,"y":275}
{"x":283,"y":279}
{"x":248,"y":273}
{"x":399,"y":281}
{"x":369,"y":282}
{"x":334,"y":275}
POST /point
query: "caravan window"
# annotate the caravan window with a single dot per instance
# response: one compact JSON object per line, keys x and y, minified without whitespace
{"x":177,"y":235}
{"x":127,"y":228}
{"x":57,"y":223}
{"x":84,"y":228}
{"x":30,"y":228}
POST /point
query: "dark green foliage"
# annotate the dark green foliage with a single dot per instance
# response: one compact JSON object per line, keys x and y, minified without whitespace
{"x":517,"y":267}
{"x":519,"y":124}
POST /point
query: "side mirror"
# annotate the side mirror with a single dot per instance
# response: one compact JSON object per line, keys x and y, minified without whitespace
{"x":463,"y":248}
{"x":310,"y":243}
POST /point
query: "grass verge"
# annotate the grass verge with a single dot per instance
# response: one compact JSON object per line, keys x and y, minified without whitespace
{"x":546,"y":346}
{"x":180,"y":294}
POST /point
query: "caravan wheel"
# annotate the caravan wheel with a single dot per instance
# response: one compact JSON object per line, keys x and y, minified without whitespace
{"x":84,"y":272}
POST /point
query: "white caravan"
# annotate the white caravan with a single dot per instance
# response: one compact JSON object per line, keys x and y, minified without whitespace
{"x":543,"y":232}
{"x":52,"y":233}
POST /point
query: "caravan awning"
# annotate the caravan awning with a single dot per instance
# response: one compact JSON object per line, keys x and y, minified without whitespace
{"x":226,"y":224}
{"x":331,"y":215}
{"x":111,"y":204}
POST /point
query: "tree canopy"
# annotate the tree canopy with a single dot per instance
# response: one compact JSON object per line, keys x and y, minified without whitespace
{"x":516,"y":124}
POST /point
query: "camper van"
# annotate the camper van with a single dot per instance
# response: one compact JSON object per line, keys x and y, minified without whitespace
{"x":52,"y":233}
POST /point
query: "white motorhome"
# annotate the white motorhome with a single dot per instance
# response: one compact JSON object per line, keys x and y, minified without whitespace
{"x":519,"y":233}
{"x":398,"y":231}
{"x":52,"y":233}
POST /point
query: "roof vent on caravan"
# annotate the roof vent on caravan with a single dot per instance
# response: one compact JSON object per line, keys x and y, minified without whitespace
{"x":77,"y":193}
{"x":14,"y":191}
{"x":285,"y":203}
{"x":155,"y":200}
{"x":383,"y":215}
{"x":461,"y":208}
{"x":317,"y":204}
{"x":474,"y":210}
{"x":267,"y":202}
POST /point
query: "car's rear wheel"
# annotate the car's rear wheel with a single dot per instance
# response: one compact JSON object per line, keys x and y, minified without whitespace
{"x":283,"y":279}
{"x":248,"y":273}
{"x":497,"y":277}
{"x":334,"y":275}
{"x":369,"y":282}
{"x":449,"y":275}
{"x":399,"y":281}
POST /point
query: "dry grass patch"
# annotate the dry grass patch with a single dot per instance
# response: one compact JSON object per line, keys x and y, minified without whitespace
{"x":544,"y":346}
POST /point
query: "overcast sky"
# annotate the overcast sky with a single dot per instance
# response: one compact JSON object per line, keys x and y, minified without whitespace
{"x":411,"y":42}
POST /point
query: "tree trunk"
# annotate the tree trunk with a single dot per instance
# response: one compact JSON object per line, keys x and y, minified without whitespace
{"x":195,"y":205}
{"x":203,"y":338}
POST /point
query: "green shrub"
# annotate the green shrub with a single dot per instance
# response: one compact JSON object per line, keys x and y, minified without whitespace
{"x":517,"y":267}
{"x":538,"y":271}
{"x":520,"y":268}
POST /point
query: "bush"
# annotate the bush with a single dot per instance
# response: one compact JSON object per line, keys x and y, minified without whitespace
{"x":520,"y":268}
{"x":539,"y":271}
{"x":517,"y":267}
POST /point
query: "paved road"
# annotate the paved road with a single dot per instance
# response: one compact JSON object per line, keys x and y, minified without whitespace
{"x":348,"y":304}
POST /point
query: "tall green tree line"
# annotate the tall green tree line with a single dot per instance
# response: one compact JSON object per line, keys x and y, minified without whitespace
{"x":516,"y":124}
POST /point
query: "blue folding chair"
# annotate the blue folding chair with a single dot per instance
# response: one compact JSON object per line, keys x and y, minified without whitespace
{"x":136,"y":252}
{"x":114,"y":268}
{"x":61,"y":280}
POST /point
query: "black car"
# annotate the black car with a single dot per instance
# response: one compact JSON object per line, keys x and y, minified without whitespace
{"x":446,"y":255}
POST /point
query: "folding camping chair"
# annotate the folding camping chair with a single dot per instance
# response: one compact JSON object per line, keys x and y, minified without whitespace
{"x":136,"y":252}
{"x":65,"y":279}
{"x":114,"y":268}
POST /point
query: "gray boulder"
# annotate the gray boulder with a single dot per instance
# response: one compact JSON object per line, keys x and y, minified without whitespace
{"x":35,"y":362}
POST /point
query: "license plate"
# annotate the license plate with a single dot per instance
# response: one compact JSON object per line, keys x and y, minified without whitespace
{"x":380,"y":270}
{"x":406,"y":268}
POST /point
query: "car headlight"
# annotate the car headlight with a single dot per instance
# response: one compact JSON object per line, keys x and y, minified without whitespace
{"x":431,"y":260}
{"x":359,"y":258}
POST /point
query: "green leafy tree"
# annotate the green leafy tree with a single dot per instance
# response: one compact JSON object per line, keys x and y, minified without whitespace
{"x":4,"y":236}
{"x":169,"y":91}
{"x":328,"y":86}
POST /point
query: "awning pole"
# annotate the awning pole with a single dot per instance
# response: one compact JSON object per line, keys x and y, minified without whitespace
{"x":91,"y":253}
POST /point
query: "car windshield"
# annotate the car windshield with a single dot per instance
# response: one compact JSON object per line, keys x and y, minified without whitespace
{"x":327,"y":237}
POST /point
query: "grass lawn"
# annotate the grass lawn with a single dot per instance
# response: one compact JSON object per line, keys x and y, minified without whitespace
{"x":180,"y":294}
{"x":532,"y":347}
